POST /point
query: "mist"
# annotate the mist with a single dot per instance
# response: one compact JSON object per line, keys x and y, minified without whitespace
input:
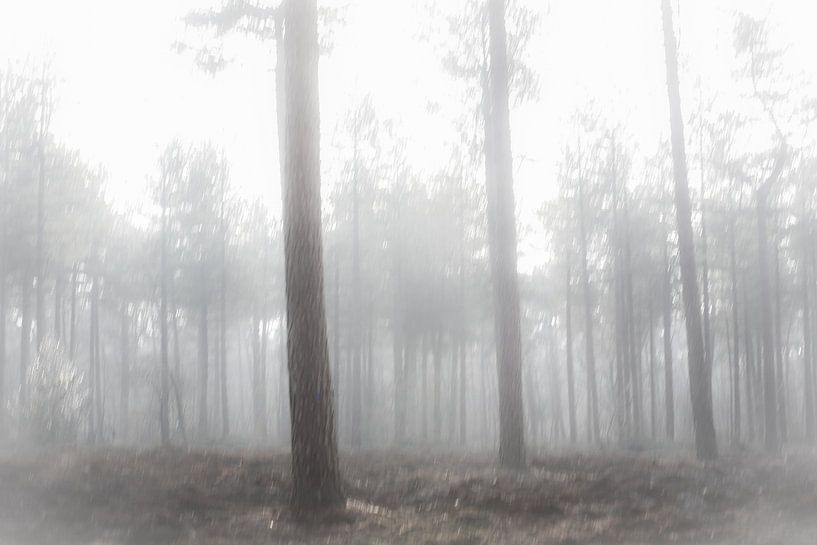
{"x":478,"y":271}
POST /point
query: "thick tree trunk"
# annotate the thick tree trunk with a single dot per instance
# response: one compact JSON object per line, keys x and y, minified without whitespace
{"x":700,"y":375}
{"x":502,"y":246}
{"x":315,"y":470}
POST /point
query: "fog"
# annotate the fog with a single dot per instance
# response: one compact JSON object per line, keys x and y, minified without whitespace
{"x":467,"y":271}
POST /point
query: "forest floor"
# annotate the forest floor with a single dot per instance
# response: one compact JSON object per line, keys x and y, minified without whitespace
{"x":117,"y":497}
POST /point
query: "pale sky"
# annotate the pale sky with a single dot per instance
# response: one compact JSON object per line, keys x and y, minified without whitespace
{"x":123,"y":93}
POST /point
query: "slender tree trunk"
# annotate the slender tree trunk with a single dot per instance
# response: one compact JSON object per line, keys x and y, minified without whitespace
{"x":709,"y":349}
{"x":258,"y":410}
{"x":203,"y":367}
{"x":356,"y":392}
{"x":808,"y":370}
{"x":771,"y":437}
{"x":40,"y":248}
{"x":778,"y":343}
{"x":669,"y":388}
{"x":750,"y":364}
{"x":72,"y":344}
{"x":262,"y":376}
{"x":424,"y":390}
{"x":593,"y":428}
{"x":736,"y":372}
{"x":571,"y":395}
{"x":634,"y":337}
{"x":315,"y":470}
{"x":222,"y":359}
{"x":164,"y":370}
{"x":3,"y":361}
{"x":653,"y":427}
{"x":462,"y":393}
{"x":58,"y":307}
{"x":25,"y":334}
{"x":437,"y":412}
{"x":502,"y":246}
{"x":93,"y":366}
{"x":124,"y":375}
{"x":700,"y":375}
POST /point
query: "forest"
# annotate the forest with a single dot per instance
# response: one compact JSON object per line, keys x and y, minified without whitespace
{"x":408,"y":271}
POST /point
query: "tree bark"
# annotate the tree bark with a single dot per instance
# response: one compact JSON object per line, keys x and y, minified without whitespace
{"x":315,"y":470}
{"x":502,"y":247}
{"x":164,"y":370}
{"x":571,"y":395}
{"x":124,"y":374}
{"x":700,"y":375}
{"x":25,"y":334}
{"x":736,"y":425}
{"x":669,"y":388}
{"x":808,"y":370}
{"x":593,"y":428}
{"x":771,"y":437}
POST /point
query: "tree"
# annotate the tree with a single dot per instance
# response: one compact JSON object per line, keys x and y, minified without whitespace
{"x":315,"y":471}
{"x":700,"y":376}
{"x":502,"y":243}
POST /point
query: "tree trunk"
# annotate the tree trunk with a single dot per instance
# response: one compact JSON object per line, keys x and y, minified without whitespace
{"x":25,"y":334}
{"x":72,"y":344}
{"x":222,"y":359}
{"x":258,"y":386}
{"x":164,"y":370}
{"x":571,"y":395}
{"x":593,"y":428}
{"x":502,"y":247}
{"x":750,"y":364}
{"x":651,"y":326}
{"x":771,"y":437}
{"x":808,"y":370}
{"x":669,"y":388}
{"x":778,"y":343}
{"x":124,"y":376}
{"x":315,"y":470}
{"x":203,"y":350}
{"x":40,"y":248}
{"x":3,"y":361}
{"x":736,"y":372}
{"x":357,"y":349}
{"x":436,"y":415}
{"x":700,"y":375}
